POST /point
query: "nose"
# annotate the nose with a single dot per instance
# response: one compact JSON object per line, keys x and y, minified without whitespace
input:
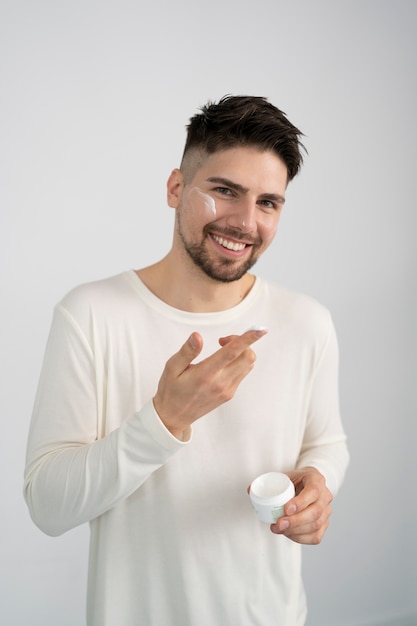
{"x":243,"y":216}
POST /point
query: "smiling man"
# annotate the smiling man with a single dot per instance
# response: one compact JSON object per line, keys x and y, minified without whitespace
{"x":157,"y":406}
{"x":247,"y":215}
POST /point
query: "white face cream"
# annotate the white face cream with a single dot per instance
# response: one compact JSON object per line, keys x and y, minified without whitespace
{"x":196,"y":200}
{"x":269,"y":493}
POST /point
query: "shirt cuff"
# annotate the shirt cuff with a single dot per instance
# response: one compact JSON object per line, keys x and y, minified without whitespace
{"x":157,"y":429}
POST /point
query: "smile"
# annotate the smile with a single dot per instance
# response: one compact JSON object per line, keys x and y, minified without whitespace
{"x":230,"y":245}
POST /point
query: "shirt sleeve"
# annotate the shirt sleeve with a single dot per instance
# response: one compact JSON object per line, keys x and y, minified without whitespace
{"x":73,"y":475}
{"x":324,"y":443}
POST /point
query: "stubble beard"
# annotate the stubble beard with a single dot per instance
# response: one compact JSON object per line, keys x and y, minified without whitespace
{"x":221,"y":270}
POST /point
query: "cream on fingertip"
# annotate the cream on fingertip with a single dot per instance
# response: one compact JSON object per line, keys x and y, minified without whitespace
{"x":257,"y":327}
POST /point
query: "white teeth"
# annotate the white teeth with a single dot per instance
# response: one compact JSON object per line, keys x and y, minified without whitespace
{"x":230,"y":245}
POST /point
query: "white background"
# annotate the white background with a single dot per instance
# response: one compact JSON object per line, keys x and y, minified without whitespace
{"x":94,"y":100}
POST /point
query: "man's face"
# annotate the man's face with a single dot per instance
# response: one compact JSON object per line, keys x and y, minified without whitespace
{"x":228,"y":214}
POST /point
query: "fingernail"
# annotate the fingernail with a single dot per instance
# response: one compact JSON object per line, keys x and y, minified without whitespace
{"x":193,"y":342}
{"x":291,"y":509}
{"x":284,"y":524}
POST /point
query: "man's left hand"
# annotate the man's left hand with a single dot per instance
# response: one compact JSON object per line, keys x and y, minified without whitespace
{"x":307,"y":515}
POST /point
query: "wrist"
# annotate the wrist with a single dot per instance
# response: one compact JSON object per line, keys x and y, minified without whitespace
{"x":179,"y":432}
{"x":181,"y":435}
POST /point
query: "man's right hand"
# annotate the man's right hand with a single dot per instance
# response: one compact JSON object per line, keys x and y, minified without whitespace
{"x":186,"y":392}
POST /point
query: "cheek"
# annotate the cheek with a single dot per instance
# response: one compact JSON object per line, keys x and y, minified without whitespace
{"x":267,"y":230}
{"x":198,"y":205}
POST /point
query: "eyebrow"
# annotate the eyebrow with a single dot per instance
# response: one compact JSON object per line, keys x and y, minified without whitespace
{"x":241,"y":189}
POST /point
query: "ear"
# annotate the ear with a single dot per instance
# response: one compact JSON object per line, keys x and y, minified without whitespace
{"x":175,"y":186}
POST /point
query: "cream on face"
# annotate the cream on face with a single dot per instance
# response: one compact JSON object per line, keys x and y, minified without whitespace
{"x":195,"y":200}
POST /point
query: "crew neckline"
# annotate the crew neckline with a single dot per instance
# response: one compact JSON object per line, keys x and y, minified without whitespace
{"x":214,"y":317}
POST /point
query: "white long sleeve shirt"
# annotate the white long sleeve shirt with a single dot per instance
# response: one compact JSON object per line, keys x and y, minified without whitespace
{"x":174,"y":539}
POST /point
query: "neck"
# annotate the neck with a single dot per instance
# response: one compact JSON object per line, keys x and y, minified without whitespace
{"x":188,"y":288}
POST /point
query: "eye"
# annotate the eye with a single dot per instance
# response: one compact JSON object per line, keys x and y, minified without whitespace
{"x":268,"y":204}
{"x":271,"y":204}
{"x":224,"y":191}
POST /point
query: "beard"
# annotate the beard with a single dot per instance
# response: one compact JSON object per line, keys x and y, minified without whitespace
{"x":221,"y":269}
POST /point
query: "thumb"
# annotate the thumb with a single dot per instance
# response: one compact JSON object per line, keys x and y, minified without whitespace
{"x":186,"y":354}
{"x":195,"y":341}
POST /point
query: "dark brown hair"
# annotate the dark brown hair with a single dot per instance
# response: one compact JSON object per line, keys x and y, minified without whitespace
{"x":245,"y":121}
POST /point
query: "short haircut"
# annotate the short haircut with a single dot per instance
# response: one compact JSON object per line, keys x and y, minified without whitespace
{"x":244,"y":121}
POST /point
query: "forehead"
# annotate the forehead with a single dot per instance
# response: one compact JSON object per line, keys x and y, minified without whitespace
{"x":248,"y":166}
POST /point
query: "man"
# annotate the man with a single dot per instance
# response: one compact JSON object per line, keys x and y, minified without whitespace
{"x":155,"y":444}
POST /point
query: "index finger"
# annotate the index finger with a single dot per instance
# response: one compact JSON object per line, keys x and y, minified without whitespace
{"x":233,"y":346}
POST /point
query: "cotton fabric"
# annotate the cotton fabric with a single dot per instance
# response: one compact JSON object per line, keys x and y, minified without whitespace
{"x":174,"y":539}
